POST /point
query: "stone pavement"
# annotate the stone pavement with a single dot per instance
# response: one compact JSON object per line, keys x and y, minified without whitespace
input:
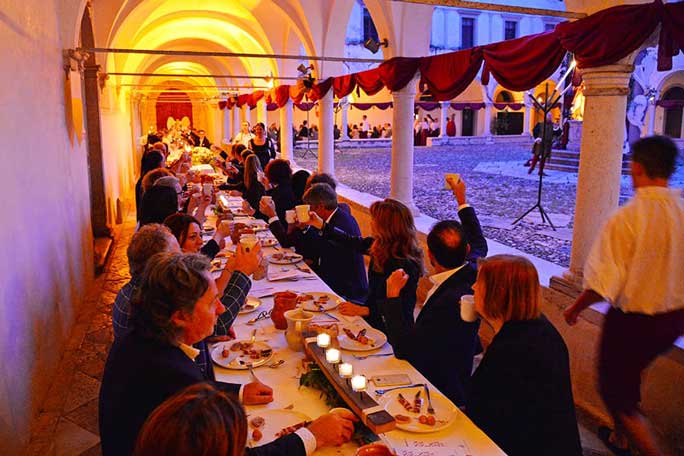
{"x":68,"y":422}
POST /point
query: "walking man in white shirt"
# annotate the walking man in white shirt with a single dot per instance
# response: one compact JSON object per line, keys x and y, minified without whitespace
{"x":636,"y":265}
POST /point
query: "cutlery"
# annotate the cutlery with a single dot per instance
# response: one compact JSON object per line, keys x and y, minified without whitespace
{"x":277,"y":364}
{"x":361,"y":357}
{"x":261,"y":316}
{"x":380,"y":392}
{"x":430,"y":409}
{"x":302,"y":268}
{"x":253,"y":338}
{"x":332,"y":317}
{"x":417,"y":402}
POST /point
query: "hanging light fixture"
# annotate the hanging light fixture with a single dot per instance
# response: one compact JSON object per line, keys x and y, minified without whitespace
{"x":374,"y":46}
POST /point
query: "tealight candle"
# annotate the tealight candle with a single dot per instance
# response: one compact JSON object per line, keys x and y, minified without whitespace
{"x":358,"y":383}
{"x":346,"y":370}
{"x":332,"y":355}
{"x":323,"y":340}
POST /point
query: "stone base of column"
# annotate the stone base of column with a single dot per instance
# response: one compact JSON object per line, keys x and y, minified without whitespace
{"x":570,"y":284}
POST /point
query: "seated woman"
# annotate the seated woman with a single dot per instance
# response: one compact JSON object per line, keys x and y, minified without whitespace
{"x":236,"y":171}
{"x":157,"y":204}
{"x":521,"y":394}
{"x":205,"y":420}
{"x":253,"y":188}
{"x":393,"y":245}
{"x":151,"y":160}
{"x":188,"y":230}
{"x":299,"y":181}
{"x":279,"y":175}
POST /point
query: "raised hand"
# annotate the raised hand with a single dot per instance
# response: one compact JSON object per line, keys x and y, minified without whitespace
{"x":396,"y":282}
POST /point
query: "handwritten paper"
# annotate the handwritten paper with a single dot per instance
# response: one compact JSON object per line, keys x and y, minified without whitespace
{"x":434,"y":448}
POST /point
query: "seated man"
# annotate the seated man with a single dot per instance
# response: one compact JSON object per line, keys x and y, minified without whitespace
{"x":439,"y":333}
{"x":177,"y":307}
{"x":341,"y":268}
{"x":234,"y":283}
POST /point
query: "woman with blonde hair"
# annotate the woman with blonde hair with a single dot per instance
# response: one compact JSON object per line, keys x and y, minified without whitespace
{"x":393,"y":245}
{"x":521,"y":395}
{"x":201,"y":420}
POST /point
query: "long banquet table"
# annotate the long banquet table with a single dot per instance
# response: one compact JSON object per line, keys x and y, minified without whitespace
{"x":461,"y":438}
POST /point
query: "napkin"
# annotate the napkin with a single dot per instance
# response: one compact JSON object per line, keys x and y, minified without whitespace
{"x":278,"y":272}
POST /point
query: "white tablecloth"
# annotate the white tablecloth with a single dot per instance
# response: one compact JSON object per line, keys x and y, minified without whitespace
{"x":460,"y":439}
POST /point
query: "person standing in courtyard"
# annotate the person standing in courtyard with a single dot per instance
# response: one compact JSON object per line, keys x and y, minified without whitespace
{"x":636,"y":265}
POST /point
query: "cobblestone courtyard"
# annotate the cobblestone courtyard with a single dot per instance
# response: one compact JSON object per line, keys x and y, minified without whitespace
{"x":498,"y":187}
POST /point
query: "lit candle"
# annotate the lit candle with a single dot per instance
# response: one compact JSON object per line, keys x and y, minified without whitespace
{"x":346,"y":370}
{"x":323,"y":340}
{"x":332,"y":355}
{"x":358,"y":383}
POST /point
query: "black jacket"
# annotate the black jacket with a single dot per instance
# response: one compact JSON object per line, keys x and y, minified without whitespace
{"x":284,"y":200}
{"x":139,"y":375}
{"x":521,"y":395}
{"x":440,"y":344}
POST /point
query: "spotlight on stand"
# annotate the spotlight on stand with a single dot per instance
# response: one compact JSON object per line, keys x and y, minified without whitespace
{"x":374,"y":46}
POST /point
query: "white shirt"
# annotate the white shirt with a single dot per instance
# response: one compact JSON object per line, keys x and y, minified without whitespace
{"x":243,"y":138}
{"x":637,"y":262}
{"x":365,"y":126}
{"x":307,"y":437}
{"x":438,"y":279}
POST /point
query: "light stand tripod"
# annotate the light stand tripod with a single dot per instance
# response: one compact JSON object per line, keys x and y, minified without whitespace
{"x":545,"y":108}
{"x":308,"y":136}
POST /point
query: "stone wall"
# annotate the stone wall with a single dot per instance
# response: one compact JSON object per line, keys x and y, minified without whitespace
{"x":46,"y":252}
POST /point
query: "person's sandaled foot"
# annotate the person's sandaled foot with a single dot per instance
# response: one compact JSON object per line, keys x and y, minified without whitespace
{"x":605,"y":433}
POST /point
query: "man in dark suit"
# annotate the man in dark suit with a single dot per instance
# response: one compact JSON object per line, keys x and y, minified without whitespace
{"x":176,"y":307}
{"x":342,"y":269}
{"x":440,"y":344}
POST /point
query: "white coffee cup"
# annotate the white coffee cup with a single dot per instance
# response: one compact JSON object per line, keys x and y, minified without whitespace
{"x":208,"y":189}
{"x":227,"y":225}
{"x":266,"y":199}
{"x":291,"y":216}
{"x":248,"y":241}
{"x":468,"y":308}
{"x":302,"y":213}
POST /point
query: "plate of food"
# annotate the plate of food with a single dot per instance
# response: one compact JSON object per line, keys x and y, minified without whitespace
{"x":269,"y":424}
{"x":268,"y":242}
{"x":318,"y":302}
{"x":251,"y":304}
{"x":409,"y":407}
{"x":285,"y":258}
{"x":241,"y":354}
{"x":361,"y":339}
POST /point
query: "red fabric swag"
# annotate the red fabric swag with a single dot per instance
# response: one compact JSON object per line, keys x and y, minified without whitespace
{"x":448,"y":75}
{"x":671,"y":40}
{"x":608,"y":35}
{"x":222,"y":105}
{"x":320,"y":90}
{"x":523,"y":63}
{"x":254,"y":98}
{"x":280,"y":95}
{"x":396,"y":73}
{"x":243,"y":99}
{"x":369,"y":81}
{"x":344,"y":85}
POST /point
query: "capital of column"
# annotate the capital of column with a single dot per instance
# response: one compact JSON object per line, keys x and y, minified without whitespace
{"x":609,"y":80}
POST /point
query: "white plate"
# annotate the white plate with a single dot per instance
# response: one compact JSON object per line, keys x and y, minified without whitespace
{"x":268,"y":242}
{"x":251,"y":304}
{"x":275,"y":421}
{"x":309,"y":304}
{"x":236,"y":359}
{"x":445,"y":411}
{"x":292,"y":258}
{"x":377,"y":339}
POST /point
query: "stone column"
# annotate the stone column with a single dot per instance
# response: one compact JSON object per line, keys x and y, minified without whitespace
{"x":261,"y":112}
{"x":344,"y":121}
{"x":527,"y":118}
{"x":488,"y":118}
{"x":98,"y":196}
{"x":226,"y":126}
{"x":401,"y":171}
{"x":598,"y":183}
{"x":286,"y":137}
{"x":651,"y":117}
{"x":443,"y":108}
{"x":236,"y":121}
{"x":247,"y":114}
{"x":326,"y":135}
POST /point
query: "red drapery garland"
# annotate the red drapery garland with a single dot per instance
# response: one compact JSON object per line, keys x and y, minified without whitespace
{"x":519,"y":64}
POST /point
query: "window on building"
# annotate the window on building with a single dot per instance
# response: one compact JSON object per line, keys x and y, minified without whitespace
{"x":467,"y":32}
{"x":510,"y":30}
{"x":369,"y":30}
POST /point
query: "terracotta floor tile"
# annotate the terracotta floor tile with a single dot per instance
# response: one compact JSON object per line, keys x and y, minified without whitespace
{"x":83,"y":390}
{"x":86,"y":416}
{"x":71,"y":439}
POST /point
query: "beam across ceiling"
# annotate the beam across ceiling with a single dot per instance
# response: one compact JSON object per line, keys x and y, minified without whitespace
{"x":499,"y":8}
